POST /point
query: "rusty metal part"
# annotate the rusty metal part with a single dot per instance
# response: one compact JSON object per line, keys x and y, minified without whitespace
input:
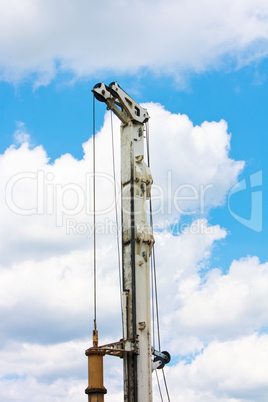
{"x":114,"y":349}
{"x":95,"y":389}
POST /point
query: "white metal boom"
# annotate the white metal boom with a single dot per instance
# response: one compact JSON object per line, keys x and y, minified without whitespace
{"x":137,"y":241}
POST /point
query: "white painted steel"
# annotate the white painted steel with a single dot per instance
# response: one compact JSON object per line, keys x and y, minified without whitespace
{"x":137,"y":239}
{"x":136,"y":278}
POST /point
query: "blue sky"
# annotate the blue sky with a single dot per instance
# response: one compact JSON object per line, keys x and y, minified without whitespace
{"x":205,"y":84}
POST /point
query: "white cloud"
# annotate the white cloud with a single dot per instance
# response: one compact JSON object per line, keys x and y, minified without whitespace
{"x":60,"y":293}
{"x":50,"y":205}
{"x":52,"y":300}
{"x":46,"y":307}
{"x":84,"y":37}
{"x":175,"y":254}
{"x":46,"y":273}
{"x":48,"y":300}
{"x":30,"y":389}
{"x":218,"y":371}
{"x":190,"y":164}
{"x":21,"y":135}
{"x":231,"y":371}
{"x":228,"y":305}
{"x":70,"y":390}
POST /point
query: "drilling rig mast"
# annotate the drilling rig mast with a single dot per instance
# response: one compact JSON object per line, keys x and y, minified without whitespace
{"x":137,"y":241}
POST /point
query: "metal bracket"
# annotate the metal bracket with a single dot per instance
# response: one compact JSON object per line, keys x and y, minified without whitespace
{"x":161,"y":359}
{"x":116,"y":348}
{"x":125,"y":108}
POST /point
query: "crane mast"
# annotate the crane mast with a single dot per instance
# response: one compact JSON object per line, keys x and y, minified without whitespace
{"x":137,"y":240}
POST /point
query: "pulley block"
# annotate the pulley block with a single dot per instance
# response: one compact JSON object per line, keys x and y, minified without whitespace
{"x":164,"y":357}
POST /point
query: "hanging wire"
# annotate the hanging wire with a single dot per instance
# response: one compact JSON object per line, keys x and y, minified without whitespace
{"x":94,"y":217}
{"x":154,"y":281}
{"x":154,"y":277}
{"x":159,"y":387}
{"x":153,"y":313}
{"x":166,"y":386}
{"x":151,"y":260}
{"x":156,"y":298}
{"x":117,"y":220}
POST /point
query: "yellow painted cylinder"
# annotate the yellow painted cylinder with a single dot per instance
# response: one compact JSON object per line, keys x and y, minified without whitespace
{"x":95,"y":389}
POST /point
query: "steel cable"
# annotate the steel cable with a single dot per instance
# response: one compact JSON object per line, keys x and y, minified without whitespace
{"x":94,"y":217}
{"x":159,"y":387}
{"x":154,"y":278}
{"x":166,"y":386}
{"x":117,"y":221}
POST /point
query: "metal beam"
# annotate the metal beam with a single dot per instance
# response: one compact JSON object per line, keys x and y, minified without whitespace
{"x":137,"y":242}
